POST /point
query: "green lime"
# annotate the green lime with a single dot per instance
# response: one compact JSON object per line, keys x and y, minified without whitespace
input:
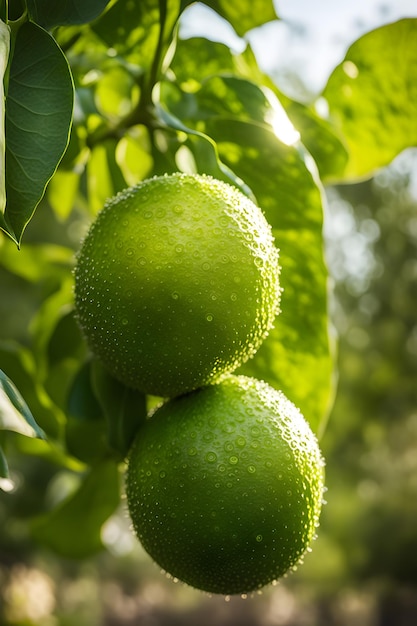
{"x":177,"y":283}
{"x":224,"y":486}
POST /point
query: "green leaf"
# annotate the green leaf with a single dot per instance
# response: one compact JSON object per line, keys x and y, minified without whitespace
{"x":4,"y":59}
{"x":233,"y":96}
{"x":104,"y":176}
{"x":86,"y":430}
{"x":15,"y":414}
{"x":296,"y":356}
{"x":22,"y":369}
{"x":372,"y":97}
{"x":133,"y":155}
{"x":244,"y":15}
{"x":62,"y":192}
{"x":63,"y":352}
{"x":124,"y":408}
{"x":203,"y":147}
{"x":234,"y":85}
{"x":47,"y":450}
{"x":57,"y":343}
{"x":198,"y":58}
{"x":319,"y":137}
{"x":49,"y":13}
{"x":37,"y":262}
{"x":58,"y":304}
{"x":73,"y":529}
{"x":38,"y":118}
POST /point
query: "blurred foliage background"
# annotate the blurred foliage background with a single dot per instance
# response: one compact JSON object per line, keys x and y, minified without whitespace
{"x":363,"y":568}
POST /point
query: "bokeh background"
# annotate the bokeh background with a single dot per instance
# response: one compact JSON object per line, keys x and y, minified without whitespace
{"x":362,"y":570}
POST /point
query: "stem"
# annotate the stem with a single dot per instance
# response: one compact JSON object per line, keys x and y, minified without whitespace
{"x":156,"y":63}
{"x":144,"y":111}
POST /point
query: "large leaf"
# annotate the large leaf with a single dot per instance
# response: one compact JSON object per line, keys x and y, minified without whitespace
{"x":319,"y":137}
{"x":38,"y":117}
{"x":49,"y":13}
{"x":73,"y":529}
{"x":244,"y":15}
{"x":198,"y":58}
{"x":233,"y":83}
{"x":296,"y":356}
{"x":15,"y":414}
{"x":204,"y":148}
{"x":372,"y":97}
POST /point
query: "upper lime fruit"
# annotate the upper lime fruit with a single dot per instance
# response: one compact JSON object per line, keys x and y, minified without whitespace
{"x":176,"y":283}
{"x":224,"y":486}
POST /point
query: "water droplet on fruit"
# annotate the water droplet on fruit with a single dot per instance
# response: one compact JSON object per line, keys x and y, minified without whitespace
{"x":209,"y":317}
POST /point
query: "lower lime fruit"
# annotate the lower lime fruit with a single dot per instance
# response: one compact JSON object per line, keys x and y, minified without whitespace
{"x":224,"y":486}
{"x":176,"y":283}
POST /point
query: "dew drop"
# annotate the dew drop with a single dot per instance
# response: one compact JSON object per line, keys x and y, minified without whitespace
{"x":209,"y":317}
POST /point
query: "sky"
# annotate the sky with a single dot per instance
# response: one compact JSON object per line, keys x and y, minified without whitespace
{"x":312,"y":36}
